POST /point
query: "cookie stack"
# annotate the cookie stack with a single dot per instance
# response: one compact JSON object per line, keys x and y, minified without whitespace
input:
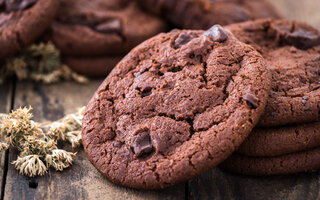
{"x":287,"y":137}
{"x":94,"y":35}
{"x":202,"y":14}
{"x":22,"y":22}
{"x":182,"y":102}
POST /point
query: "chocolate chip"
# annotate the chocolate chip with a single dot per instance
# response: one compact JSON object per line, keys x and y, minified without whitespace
{"x":117,"y":144}
{"x":251,"y":100}
{"x":217,"y":33}
{"x":304,"y":99}
{"x":110,"y":26}
{"x":141,"y":144}
{"x":16,"y":5}
{"x":182,"y":39}
{"x":299,"y":35}
{"x":303,"y":40}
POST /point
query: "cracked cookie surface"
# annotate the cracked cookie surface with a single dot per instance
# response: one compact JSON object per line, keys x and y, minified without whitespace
{"x":202,"y":14}
{"x":22,"y":22}
{"x":292,"y":51}
{"x":177,"y":105}
{"x":99,"y":27}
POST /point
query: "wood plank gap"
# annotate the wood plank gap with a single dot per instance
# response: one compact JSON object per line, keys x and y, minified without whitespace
{"x":186,"y":189}
{"x":6,"y":154}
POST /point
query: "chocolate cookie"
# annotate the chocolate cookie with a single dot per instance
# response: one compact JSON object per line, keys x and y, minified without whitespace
{"x":21,"y":22}
{"x":306,"y":161}
{"x":281,"y":140}
{"x":175,"y":106}
{"x":292,"y":50}
{"x":100,"y":27}
{"x":92,"y":66}
{"x":201,"y":14}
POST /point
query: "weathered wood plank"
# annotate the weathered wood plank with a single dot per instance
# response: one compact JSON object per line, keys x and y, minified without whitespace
{"x":6,"y":90}
{"x":218,"y":184}
{"x":82,"y":180}
{"x":302,"y":10}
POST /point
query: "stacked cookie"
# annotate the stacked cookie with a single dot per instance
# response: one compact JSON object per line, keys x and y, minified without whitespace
{"x":22,"y":22}
{"x":177,"y":105}
{"x":202,"y":14}
{"x":287,"y":139}
{"x":94,"y":35}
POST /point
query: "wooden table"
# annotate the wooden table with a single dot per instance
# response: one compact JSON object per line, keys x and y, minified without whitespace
{"x":82,"y":181}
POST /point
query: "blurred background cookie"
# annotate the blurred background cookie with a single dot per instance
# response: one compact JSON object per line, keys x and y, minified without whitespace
{"x":202,"y":14}
{"x":101,"y":28}
{"x":22,"y":22}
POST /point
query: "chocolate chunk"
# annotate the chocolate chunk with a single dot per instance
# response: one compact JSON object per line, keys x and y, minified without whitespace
{"x":141,"y":144}
{"x":182,"y":39}
{"x":16,"y":5}
{"x":117,"y":144}
{"x":303,"y":40}
{"x":251,"y":100}
{"x":217,"y":33}
{"x":110,"y":26}
{"x":304,"y":99}
{"x":302,"y":36}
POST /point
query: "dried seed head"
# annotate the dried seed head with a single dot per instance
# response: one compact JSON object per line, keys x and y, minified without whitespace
{"x":30,"y":165}
{"x":18,"y":130}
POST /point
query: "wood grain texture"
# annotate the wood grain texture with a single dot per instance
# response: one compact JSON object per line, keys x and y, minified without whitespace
{"x":218,"y":184}
{"x":82,"y":180}
{"x":302,"y":10}
{"x":5,"y":105}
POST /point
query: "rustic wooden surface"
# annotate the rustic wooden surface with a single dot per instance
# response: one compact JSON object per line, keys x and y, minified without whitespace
{"x":6,"y":91}
{"x":82,"y":181}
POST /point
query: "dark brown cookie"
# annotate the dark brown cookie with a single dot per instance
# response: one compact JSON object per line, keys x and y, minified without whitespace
{"x":306,"y":161}
{"x":202,"y":14}
{"x":281,"y":140}
{"x":92,"y":66}
{"x":175,"y":106}
{"x":21,"y":22}
{"x":292,"y":50}
{"x":100,"y":27}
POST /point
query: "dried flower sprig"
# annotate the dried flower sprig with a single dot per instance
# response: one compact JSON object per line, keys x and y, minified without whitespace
{"x":39,"y":62}
{"x":68,"y":128}
{"x":38,"y":150}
